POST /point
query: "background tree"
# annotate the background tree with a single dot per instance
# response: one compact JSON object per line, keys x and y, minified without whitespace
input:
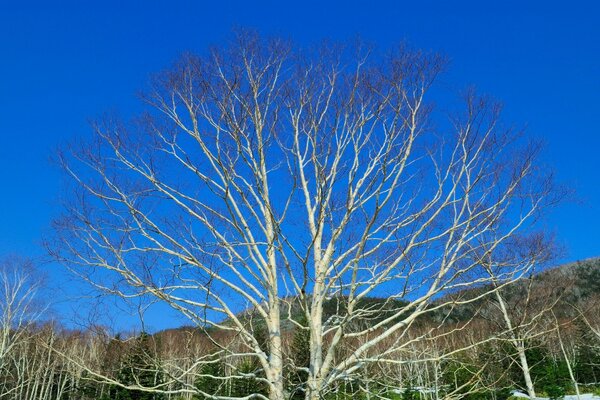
{"x":19,"y":310}
{"x":299,"y":360}
{"x":141,"y":368}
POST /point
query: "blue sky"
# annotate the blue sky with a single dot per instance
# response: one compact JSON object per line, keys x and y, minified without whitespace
{"x":64,"y":63}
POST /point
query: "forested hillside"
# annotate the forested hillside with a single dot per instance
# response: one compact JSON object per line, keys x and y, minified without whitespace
{"x":541,"y":333}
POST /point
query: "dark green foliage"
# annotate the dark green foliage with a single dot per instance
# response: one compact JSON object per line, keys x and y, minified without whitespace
{"x":261,"y":334}
{"x":241,"y":387}
{"x":140,"y":368}
{"x":473,"y":380}
{"x":495,"y":361}
{"x":209,"y":381}
{"x":460,"y":378}
{"x":548,"y":374}
{"x":87,"y":388}
{"x":536,"y":357}
{"x":300,"y":355}
{"x":587,"y":365}
{"x":411,"y":394}
{"x":348,"y":389}
{"x":556,"y":381}
{"x":540,"y":363}
{"x":503,"y":394}
{"x":214,"y":382}
{"x":587,"y":360}
{"x":249,"y":385}
{"x":555,"y":392}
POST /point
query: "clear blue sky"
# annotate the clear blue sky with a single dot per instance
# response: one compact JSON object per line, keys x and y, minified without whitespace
{"x":63,"y":63}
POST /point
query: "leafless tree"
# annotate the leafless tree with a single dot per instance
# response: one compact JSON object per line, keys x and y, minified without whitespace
{"x":524,"y":311}
{"x":18,"y":309}
{"x":273,"y":187}
{"x":18,"y":288}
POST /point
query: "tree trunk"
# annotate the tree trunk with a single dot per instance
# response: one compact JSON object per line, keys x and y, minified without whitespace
{"x":275,"y":373}
{"x":519,"y":345}
{"x":566,"y":356}
{"x":526,"y":371}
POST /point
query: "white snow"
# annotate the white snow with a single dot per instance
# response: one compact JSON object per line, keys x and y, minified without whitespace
{"x":583,"y":396}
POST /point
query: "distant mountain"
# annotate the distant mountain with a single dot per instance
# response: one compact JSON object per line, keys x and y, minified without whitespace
{"x":568,"y":285}
{"x":571,"y":283}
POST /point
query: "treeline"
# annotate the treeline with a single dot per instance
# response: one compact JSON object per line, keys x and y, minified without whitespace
{"x":51,"y":363}
{"x":540,"y":335}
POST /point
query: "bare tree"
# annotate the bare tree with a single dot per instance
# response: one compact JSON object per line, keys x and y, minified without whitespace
{"x":568,"y":356}
{"x":18,"y":288}
{"x":268,"y":186}
{"x":20,"y":309}
{"x":524,"y":311}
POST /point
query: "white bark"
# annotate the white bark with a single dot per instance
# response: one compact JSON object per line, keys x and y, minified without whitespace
{"x":519,"y":345}
{"x":566,"y":358}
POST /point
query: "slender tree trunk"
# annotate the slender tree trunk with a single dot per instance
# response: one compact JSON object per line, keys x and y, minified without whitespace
{"x":519,"y":346}
{"x":525,"y":369}
{"x":316,"y":347}
{"x":565,"y":355}
{"x":276,"y":391}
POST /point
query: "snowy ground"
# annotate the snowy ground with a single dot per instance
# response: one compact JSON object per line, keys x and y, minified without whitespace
{"x":583,"y":396}
{"x":515,"y":393}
